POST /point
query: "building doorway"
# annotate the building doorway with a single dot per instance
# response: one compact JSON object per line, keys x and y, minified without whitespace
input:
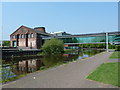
{"x":14,"y":44}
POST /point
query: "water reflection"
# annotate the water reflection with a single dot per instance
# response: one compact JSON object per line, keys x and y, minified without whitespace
{"x":32,"y":65}
{"x":27,"y":66}
{"x":52,"y":60}
{"x":7,"y":73}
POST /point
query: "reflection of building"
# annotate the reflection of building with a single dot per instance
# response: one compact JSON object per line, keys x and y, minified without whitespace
{"x":25,"y":37}
{"x":28,"y":66}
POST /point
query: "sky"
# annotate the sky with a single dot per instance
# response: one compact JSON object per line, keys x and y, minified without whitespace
{"x":71,"y":17}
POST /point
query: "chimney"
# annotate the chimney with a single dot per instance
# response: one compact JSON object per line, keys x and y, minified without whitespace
{"x":41,"y":29}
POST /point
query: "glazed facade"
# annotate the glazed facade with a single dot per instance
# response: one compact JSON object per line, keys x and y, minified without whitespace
{"x":90,"y":39}
{"x":113,"y":38}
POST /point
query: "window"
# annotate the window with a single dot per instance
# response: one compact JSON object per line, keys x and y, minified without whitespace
{"x":22,"y":30}
{"x":85,"y":39}
{"x":32,"y":35}
{"x":42,"y":36}
{"x":19,"y":36}
{"x":28,"y":35}
{"x":22,"y":36}
{"x":13,"y":37}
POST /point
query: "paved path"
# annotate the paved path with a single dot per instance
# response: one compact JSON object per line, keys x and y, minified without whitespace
{"x":113,"y":60}
{"x":65,"y":76}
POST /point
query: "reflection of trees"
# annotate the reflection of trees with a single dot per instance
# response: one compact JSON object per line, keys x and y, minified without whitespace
{"x":98,"y":39}
{"x":114,"y":38}
{"x":92,"y":52}
{"x":7,"y":70}
{"x":70,"y":40}
{"x":52,"y":60}
{"x":74,"y":40}
{"x":75,"y":57}
{"x":117,"y":38}
{"x":71,"y":56}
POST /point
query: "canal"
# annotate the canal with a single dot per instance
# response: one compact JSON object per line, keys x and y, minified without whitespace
{"x":14,"y":68}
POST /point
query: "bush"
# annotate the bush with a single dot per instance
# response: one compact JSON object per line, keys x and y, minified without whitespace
{"x":92,"y":45}
{"x":53,"y":46}
{"x":42,"y":68}
{"x":117,"y":48}
{"x":69,"y":50}
{"x":6,"y":43}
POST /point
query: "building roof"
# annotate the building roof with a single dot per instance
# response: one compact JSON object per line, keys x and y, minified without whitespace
{"x":91,"y":34}
{"x":33,"y":30}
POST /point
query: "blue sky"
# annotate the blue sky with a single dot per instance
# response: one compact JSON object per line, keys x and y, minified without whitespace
{"x":71,"y":17}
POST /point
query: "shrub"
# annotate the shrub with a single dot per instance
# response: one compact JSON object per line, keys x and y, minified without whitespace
{"x":117,"y":48}
{"x":6,"y":43}
{"x":42,"y":68}
{"x":92,"y":45}
{"x":53,"y":46}
{"x":69,"y":50}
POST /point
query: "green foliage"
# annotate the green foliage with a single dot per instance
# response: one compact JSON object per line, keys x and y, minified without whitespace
{"x":69,"y":50}
{"x":92,"y":45}
{"x":52,"y":60}
{"x":102,"y":45}
{"x":13,"y":78}
{"x":53,"y":46}
{"x":20,"y":50}
{"x":40,"y":54}
{"x":106,"y":73}
{"x":117,"y":48}
{"x":6,"y":43}
{"x":42,"y":68}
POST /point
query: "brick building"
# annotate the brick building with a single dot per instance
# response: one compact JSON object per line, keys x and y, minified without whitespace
{"x":27,"y":38}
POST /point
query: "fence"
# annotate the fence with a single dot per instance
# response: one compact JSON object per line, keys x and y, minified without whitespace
{"x":12,"y":53}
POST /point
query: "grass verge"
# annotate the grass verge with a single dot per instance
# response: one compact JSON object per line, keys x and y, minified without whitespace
{"x":115,"y":55}
{"x":13,"y":78}
{"x":107,"y":73}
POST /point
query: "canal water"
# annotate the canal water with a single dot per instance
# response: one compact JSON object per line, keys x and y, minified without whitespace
{"x":17,"y":67}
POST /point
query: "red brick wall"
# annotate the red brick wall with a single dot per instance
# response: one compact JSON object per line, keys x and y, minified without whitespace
{"x":22,"y":41}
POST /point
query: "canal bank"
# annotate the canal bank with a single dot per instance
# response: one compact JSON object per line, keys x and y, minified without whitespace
{"x":22,"y":66}
{"x":65,"y":76}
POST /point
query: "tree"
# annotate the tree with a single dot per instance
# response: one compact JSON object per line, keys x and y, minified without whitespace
{"x":6,"y":43}
{"x":53,"y":46}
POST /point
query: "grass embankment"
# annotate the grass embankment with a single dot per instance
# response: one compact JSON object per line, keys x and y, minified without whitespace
{"x":13,"y":78}
{"x":115,"y":55}
{"x":107,"y":73}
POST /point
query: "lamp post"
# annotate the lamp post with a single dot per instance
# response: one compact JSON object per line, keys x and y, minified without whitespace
{"x":107,"y":41}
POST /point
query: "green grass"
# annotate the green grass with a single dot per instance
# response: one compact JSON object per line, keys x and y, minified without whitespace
{"x":12,"y":79}
{"x":107,"y":73}
{"x":115,"y":55}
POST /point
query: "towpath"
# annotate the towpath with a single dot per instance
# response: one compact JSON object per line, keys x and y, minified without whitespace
{"x":72,"y":75}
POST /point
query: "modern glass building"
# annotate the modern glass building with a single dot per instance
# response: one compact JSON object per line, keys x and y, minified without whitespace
{"x":73,"y":41}
{"x":113,"y":38}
